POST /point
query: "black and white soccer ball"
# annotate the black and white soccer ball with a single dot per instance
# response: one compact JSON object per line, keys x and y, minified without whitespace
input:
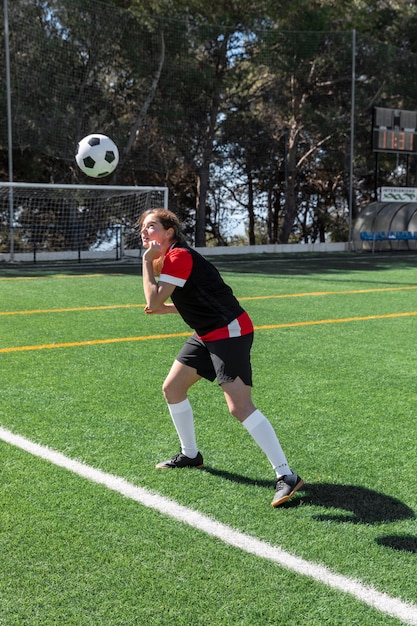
{"x":97,"y":155}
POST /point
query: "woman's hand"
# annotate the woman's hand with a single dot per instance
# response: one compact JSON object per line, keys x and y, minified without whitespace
{"x":164,"y":308}
{"x":153,"y":251}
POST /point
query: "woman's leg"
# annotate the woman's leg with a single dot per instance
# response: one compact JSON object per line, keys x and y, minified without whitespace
{"x":180,"y":378}
{"x":239,"y":401}
{"x":176,"y":385}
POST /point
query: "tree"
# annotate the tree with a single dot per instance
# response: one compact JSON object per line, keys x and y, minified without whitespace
{"x":233,"y":105}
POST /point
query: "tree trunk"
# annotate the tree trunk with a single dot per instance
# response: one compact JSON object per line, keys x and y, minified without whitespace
{"x":290,"y":194}
{"x":200,"y":213}
{"x":207,"y":156}
{"x":145,"y":106}
{"x":251,"y":212}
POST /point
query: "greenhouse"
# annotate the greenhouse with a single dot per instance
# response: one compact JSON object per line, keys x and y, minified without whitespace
{"x":386,"y":226}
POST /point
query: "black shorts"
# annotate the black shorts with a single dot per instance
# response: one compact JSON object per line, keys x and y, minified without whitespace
{"x":225,"y":359}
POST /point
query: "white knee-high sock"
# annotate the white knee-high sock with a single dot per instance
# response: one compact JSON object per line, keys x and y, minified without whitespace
{"x":262,"y":432}
{"x":183,"y":418}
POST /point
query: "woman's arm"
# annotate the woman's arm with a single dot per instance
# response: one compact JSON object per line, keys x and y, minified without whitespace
{"x":156,"y":293}
{"x":164,"y":308}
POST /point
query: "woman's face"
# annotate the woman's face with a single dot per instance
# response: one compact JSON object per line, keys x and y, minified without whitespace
{"x":152,"y":230}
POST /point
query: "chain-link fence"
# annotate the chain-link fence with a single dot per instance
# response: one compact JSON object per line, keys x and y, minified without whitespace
{"x":257,"y":132}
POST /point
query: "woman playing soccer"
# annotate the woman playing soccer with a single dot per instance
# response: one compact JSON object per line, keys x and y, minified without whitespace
{"x":219,"y":348}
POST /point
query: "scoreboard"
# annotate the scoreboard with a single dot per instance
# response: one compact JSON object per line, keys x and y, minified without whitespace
{"x":394,"y":131}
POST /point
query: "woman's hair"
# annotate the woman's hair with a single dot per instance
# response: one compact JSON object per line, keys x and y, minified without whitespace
{"x":168,"y":220}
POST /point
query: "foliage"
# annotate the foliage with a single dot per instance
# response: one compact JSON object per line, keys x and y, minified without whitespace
{"x":240,"y":108}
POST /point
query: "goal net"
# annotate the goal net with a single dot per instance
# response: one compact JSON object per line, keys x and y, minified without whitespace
{"x":41,"y":222}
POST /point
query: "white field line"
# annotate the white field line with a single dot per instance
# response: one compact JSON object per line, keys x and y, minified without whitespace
{"x":381,"y":601}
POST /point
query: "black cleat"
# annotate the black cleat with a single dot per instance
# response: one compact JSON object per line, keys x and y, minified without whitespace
{"x":181,"y":460}
{"x":285,"y":488}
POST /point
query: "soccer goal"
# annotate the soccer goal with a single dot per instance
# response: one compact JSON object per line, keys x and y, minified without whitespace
{"x":48,"y":222}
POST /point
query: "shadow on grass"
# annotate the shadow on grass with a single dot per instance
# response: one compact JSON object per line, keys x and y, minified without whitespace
{"x":361,"y":505}
{"x":69,"y":268}
{"x":402,"y":543}
{"x":310,"y":264}
{"x":238,"y":478}
{"x":344,"y":503}
{"x":258,"y":263}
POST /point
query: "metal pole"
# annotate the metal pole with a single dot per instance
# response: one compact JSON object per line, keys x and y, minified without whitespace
{"x":9,"y":125}
{"x":352,"y":135}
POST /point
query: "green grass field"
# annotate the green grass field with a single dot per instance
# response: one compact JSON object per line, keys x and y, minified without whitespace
{"x":334,"y":371}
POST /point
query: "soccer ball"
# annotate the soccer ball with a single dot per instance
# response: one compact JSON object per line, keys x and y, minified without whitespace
{"x":97,"y":155}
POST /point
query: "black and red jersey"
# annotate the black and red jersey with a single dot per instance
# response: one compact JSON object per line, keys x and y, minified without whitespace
{"x":201,"y":296}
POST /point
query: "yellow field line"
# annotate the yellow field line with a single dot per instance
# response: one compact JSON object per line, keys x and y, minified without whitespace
{"x":55,"y":276}
{"x":72,"y":309}
{"x":337,"y":321}
{"x":92,"y":342}
{"x":330,"y":293}
{"x":269,"y":297}
{"x":187,"y":334}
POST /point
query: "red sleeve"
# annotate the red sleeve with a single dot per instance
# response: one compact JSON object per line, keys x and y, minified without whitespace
{"x":177,"y":267}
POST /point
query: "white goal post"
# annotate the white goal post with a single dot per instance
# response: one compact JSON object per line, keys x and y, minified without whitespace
{"x":49,"y":222}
